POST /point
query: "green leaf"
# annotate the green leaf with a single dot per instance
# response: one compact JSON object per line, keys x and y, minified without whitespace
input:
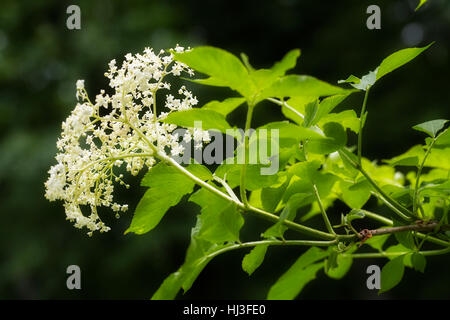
{"x":168,"y":290}
{"x":254,"y":259}
{"x":296,"y":109}
{"x":350,"y":79}
{"x":289,"y":212}
{"x":311,"y":109}
{"x":342,"y":265}
{"x":304,"y":270}
{"x":433,"y":189}
{"x":438,"y":158}
{"x":364,"y":83}
{"x":255,"y":180}
{"x":309,"y":176}
{"x":200,"y":171}
{"x":348,"y":119}
{"x":398,"y":59}
{"x":405,"y":238}
{"x":219,"y":219}
{"x":418,"y":261}
{"x":301,"y":86}
{"x":262,"y":79}
{"x":392,"y":274}
{"x":209,"y":119}
{"x":431,"y":127}
{"x":349,"y":160}
{"x":336,"y":138}
{"x":389,"y":64}
{"x":355,"y":214}
{"x":216,"y":226}
{"x":288,"y":62}
{"x":246,"y":62}
{"x":328,"y":104}
{"x":224,"y":68}
{"x":335,"y":164}
{"x":287,"y":130}
{"x":404,"y":161}
{"x":199,"y":254}
{"x":271,"y":196}
{"x":443,"y":139}
{"x":224,"y":107}
{"x":331,"y":261}
{"x":354,"y":195}
{"x":397,"y":248}
{"x":160,"y":197}
{"x":378,"y":241}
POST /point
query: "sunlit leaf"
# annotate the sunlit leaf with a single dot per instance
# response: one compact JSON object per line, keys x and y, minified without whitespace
{"x":348,"y":119}
{"x":220,"y":220}
{"x":209,"y":119}
{"x":364,"y":83}
{"x":160,"y":197}
{"x":354,"y":195}
{"x":431,"y":127}
{"x":288,"y":62}
{"x":398,"y":59}
{"x":389,"y":64}
{"x":335,"y":139}
{"x":443,"y":139}
{"x":378,"y":241}
{"x":438,"y":158}
{"x":224,"y":68}
{"x":304,"y":270}
{"x":224,"y":107}
{"x":289,"y":212}
{"x":254,"y":259}
{"x":301,"y":86}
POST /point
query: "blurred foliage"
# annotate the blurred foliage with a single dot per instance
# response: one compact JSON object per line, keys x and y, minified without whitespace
{"x":40,"y":60}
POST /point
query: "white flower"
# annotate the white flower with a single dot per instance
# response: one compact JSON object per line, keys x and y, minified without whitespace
{"x":187,"y":137}
{"x":80,"y":84}
{"x":125,"y":134}
{"x":80,"y":89}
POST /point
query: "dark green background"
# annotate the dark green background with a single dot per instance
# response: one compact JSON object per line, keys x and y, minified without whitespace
{"x":40,"y":60}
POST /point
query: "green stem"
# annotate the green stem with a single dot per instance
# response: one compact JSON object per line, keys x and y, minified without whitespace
{"x":273,"y":243}
{"x":378,"y":217}
{"x":248,"y":122}
{"x":284,"y":104}
{"x":392,"y":207}
{"x":403,"y":212}
{"x":419,"y":172}
{"x":292,"y":109}
{"x":260,"y":213}
{"x":291,"y":225}
{"x":255,"y":211}
{"x":322,"y":210}
{"x":395,"y":254}
{"x":361,"y":125}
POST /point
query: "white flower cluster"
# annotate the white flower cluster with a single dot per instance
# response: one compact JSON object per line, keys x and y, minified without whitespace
{"x":121,"y":129}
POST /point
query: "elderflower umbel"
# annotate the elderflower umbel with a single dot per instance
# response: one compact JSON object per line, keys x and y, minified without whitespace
{"x":118,"y":129}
